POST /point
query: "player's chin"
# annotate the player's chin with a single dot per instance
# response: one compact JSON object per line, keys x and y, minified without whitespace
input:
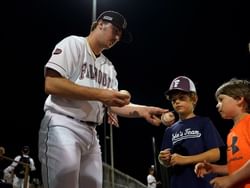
{"x":112,"y":43}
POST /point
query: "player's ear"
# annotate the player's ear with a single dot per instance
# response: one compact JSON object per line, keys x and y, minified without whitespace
{"x":100,"y":24}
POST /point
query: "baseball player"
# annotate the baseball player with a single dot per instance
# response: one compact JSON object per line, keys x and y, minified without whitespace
{"x":151,"y":180}
{"x":81,"y":82}
{"x":18,"y":181}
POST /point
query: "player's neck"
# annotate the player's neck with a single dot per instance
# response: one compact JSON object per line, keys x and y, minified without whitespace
{"x":96,"y":51}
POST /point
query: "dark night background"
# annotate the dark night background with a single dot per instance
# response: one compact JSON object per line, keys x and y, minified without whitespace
{"x":205,"y":40}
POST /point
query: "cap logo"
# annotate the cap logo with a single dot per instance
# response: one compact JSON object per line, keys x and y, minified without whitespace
{"x":107,"y":18}
{"x":176,"y":83}
{"x":119,"y":21}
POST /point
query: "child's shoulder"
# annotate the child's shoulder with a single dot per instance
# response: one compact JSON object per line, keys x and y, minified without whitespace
{"x":202,"y":118}
{"x":245,"y":121}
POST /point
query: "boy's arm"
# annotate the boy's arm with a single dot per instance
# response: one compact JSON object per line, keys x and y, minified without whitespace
{"x":241,"y":174}
{"x":221,"y":170}
{"x":238,"y":176}
{"x":211,"y":155}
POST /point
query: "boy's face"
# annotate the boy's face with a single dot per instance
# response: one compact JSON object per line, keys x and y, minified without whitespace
{"x":182,"y":102}
{"x":179,"y":96}
{"x":227,"y":106}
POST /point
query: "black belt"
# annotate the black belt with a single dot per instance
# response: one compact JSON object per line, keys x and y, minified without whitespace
{"x":90,"y":123}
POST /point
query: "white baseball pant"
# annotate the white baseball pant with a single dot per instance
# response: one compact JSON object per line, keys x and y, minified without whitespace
{"x":69,"y":152}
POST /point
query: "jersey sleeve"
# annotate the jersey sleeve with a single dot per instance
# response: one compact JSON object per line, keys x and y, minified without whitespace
{"x":12,"y":166}
{"x":32,"y":165}
{"x":64,"y":56}
{"x":151,"y":179}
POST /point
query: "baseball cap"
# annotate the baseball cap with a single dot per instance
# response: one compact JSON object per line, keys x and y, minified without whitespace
{"x":181,"y":83}
{"x":26,"y":149}
{"x":119,"y":21}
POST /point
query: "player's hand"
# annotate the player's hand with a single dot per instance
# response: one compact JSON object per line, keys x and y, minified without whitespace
{"x":158,"y":182}
{"x":114,"y":98}
{"x":152,"y":114}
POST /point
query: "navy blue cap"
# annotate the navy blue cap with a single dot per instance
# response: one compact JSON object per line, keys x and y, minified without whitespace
{"x":119,"y":21}
{"x":26,"y":149}
{"x":181,"y":83}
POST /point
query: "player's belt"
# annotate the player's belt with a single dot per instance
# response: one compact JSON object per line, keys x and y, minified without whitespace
{"x":90,"y":123}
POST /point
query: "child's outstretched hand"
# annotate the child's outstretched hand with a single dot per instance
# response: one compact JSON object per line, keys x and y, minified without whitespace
{"x":203,"y":168}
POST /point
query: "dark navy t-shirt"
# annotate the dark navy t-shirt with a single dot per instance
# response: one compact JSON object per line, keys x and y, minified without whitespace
{"x":190,"y":137}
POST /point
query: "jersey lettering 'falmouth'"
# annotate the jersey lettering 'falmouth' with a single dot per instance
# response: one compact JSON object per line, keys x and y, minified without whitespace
{"x":187,"y":133}
{"x":95,"y":74}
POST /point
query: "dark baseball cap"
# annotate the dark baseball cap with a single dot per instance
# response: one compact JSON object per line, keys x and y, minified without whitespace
{"x":181,"y":83}
{"x":26,"y":149}
{"x":119,"y":21}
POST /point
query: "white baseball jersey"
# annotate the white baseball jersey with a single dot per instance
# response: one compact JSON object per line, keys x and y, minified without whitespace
{"x":81,"y":66}
{"x":151,"y":181}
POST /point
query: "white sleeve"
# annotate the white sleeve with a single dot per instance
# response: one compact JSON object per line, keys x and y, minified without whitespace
{"x":65,"y":56}
{"x":151,"y":179}
{"x":12,"y":166}
{"x":32,"y":165}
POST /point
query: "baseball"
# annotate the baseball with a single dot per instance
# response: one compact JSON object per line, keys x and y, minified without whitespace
{"x":168,"y":118}
{"x":126,"y":93}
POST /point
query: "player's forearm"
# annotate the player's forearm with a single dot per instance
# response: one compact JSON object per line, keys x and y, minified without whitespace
{"x":130,"y":111}
{"x":62,"y":87}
